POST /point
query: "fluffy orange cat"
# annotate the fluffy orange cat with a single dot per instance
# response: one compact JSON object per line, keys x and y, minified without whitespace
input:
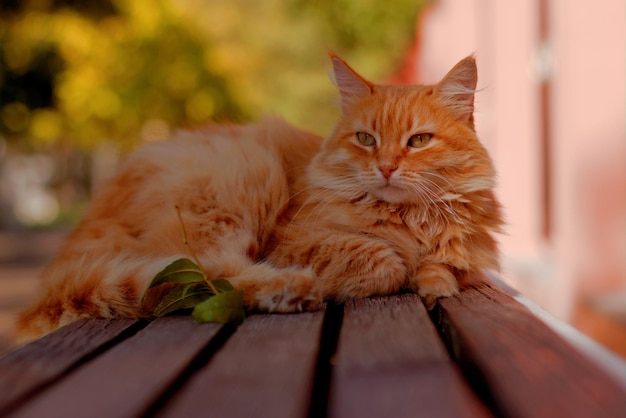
{"x":398,"y":197}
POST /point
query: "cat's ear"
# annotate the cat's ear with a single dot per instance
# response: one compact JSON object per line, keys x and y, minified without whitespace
{"x":350,"y":84}
{"x":457,"y":89}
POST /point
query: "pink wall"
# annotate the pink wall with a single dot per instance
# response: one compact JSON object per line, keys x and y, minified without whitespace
{"x":584,"y":61}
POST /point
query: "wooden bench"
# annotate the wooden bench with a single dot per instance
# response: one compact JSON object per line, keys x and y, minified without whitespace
{"x":479,"y":354}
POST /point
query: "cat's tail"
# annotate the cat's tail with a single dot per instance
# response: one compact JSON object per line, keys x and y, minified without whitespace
{"x":53,"y":311}
{"x":40,"y":318}
{"x":74,"y":291}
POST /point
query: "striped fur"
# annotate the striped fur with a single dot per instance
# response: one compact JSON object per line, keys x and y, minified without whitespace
{"x":426,"y":227}
{"x":287,"y":217}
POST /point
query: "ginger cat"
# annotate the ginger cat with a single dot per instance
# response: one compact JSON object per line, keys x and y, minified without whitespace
{"x":398,"y":197}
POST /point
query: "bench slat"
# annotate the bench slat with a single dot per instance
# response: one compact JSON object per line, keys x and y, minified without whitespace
{"x":520,"y":365}
{"x":128,"y":378}
{"x":37,"y":364}
{"x":265,"y":369}
{"x":391,"y":362}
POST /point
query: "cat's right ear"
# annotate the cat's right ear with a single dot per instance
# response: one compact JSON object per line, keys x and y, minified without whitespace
{"x":457,"y":89}
{"x":350,"y":84}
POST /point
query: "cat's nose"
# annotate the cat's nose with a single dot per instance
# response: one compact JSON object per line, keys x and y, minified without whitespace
{"x":387,"y":168}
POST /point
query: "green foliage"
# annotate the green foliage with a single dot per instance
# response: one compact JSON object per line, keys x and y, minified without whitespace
{"x":182,"y":298}
{"x":180,"y":271}
{"x":115,"y":75}
{"x":211,"y":301}
{"x":224,"y":308}
{"x":130,"y":70}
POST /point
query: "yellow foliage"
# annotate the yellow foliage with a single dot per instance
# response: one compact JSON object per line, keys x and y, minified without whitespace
{"x":105,"y":104}
{"x":200,"y":106}
{"x":46,"y":125}
{"x":148,"y":65}
{"x":15,"y":116}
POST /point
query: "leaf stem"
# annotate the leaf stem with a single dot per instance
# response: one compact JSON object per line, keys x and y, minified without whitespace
{"x":193,"y":253}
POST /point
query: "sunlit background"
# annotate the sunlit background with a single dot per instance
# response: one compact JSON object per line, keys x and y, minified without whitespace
{"x":84,"y":82}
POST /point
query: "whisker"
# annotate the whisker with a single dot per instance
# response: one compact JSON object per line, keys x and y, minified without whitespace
{"x":434,"y":193}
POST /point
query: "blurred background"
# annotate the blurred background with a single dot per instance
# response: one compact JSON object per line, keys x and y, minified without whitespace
{"x":84,"y":82}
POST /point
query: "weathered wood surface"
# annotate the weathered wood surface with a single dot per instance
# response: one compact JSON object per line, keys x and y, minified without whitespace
{"x":31,"y":367}
{"x":382,"y":356}
{"x":127,"y":379}
{"x":266,"y":369}
{"x":518,"y":364}
{"x":390,"y":362}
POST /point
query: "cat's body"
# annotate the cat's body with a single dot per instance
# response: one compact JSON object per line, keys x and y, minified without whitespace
{"x":398,"y":197}
{"x":393,"y":216}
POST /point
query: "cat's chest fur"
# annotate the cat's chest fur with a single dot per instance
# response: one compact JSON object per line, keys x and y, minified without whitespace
{"x":412,"y":231}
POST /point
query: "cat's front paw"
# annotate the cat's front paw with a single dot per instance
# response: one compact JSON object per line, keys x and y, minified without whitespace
{"x":432,"y":282}
{"x":295,"y":291}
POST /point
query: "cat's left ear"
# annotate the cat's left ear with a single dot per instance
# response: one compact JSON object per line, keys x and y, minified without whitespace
{"x":350,"y":84}
{"x":457,"y":89}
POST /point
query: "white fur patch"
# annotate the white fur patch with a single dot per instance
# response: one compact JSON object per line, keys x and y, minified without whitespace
{"x":477,"y":184}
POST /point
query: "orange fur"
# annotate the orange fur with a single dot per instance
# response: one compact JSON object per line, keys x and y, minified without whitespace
{"x":375,"y":219}
{"x":290,"y":219}
{"x":230,"y":184}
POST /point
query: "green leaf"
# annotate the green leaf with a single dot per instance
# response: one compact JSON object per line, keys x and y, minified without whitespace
{"x":183,"y":297}
{"x":180,"y":271}
{"x":222,"y":285}
{"x":225,"y":307}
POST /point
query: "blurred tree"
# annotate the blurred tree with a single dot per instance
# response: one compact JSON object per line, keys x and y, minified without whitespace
{"x":275,"y":51}
{"x":125,"y":70}
{"x":83,"y":80}
{"x":108,"y":71}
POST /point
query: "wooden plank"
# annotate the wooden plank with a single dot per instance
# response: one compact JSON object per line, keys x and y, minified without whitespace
{"x":390,"y":362}
{"x":518,"y":364}
{"x":34,"y":365}
{"x":265,"y":369}
{"x":127,"y":379}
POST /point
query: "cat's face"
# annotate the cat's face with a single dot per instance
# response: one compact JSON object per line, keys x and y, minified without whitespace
{"x":404,"y":144}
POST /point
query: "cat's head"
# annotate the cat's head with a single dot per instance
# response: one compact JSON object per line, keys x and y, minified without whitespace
{"x":404,"y":144}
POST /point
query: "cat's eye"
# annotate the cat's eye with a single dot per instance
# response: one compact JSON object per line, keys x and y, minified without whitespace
{"x":366,"y":139}
{"x":419,"y":140}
